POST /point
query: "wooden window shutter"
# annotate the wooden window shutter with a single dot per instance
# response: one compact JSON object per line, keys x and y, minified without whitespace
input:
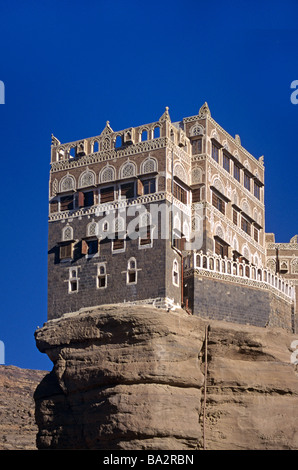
{"x":66,"y":251}
{"x":140,"y":188}
{"x":196,"y":195}
{"x":84,"y":249}
{"x":81,"y":199}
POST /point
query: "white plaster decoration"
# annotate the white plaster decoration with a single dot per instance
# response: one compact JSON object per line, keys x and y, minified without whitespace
{"x":87,"y":178}
{"x":127,"y":170}
{"x":67,"y":183}
{"x":247,"y":165}
{"x":196,"y":129}
{"x":54,"y":187}
{"x":246,"y":207}
{"x":196,"y":175}
{"x":180,"y":172}
{"x":92,"y":229}
{"x":149,"y":165}
{"x":219,"y":231}
{"x":246,"y":252}
{"x":175,"y":273}
{"x":214,"y":135}
{"x":215,"y":267}
{"x":67,"y":233}
{"x":235,"y":244}
{"x":271,"y":264}
{"x":107,"y":174}
{"x":294,"y":266}
{"x":218,"y":184}
{"x":106,"y":144}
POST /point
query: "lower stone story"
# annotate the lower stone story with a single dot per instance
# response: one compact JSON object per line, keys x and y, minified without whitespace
{"x":225,"y":290}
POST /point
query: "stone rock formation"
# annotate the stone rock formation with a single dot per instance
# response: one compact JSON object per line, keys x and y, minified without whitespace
{"x":17,"y":408}
{"x":132,"y":377}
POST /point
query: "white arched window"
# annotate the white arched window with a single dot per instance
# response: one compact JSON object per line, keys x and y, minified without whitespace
{"x":175,"y":273}
{"x":107,"y":174}
{"x":87,"y":178}
{"x":67,"y":233}
{"x":128,"y":170}
{"x":92,"y":229}
{"x":68,"y":183}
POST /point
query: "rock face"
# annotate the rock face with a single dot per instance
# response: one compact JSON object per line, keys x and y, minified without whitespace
{"x":132,"y":377}
{"x":17,"y":408}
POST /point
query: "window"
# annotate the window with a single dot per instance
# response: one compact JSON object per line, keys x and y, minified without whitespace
{"x":237,"y":172}
{"x":180,"y":193}
{"x":235,"y":217}
{"x":66,"y":251}
{"x":215,"y":152}
{"x":131,"y":274}
{"x":88,"y":199}
{"x":196,"y":146}
{"x":256,"y":234}
{"x":107,"y":194}
{"x":118,"y":243}
{"x":196,"y":195}
{"x":226,"y":163}
{"x":145,"y":238}
{"x":119,"y":141}
{"x":257,"y":190}
{"x":144,"y":135}
{"x":246,"y":181}
{"x":246,"y":226}
{"x":101,"y":276}
{"x":73,"y":280}
{"x":149,"y":186}
{"x":127,"y":190}
{"x":221,"y":248}
{"x":175,"y":273}
{"x":156,"y":132}
{"x":218,"y":203}
{"x":179,"y":243}
{"x":66,"y":203}
{"x":90,"y":247}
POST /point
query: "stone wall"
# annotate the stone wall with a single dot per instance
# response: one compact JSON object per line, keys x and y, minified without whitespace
{"x":223,"y":300}
{"x":154,"y":271}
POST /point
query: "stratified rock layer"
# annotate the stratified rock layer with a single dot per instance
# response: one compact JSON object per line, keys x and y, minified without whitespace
{"x":17,"y":424}
{"x":131,"y":377}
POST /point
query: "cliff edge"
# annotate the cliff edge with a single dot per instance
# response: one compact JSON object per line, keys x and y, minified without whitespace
{"x":133,"y":377}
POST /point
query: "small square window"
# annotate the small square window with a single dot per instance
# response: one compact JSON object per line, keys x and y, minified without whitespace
{"x":73,"y":286}
{"x":101,"y":276}
{"x":131,"y":277}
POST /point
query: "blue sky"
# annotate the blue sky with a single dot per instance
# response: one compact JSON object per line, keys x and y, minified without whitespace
{"x":70,"y":66}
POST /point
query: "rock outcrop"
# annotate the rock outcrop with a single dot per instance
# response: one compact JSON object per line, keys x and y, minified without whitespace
{"x":17,"y":408}
{"x":132,"y":377}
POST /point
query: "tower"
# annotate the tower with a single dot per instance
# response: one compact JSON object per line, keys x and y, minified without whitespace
{"x":151,"y":214}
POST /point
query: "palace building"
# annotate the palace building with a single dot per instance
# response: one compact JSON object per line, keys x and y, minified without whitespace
{"x":168,"y":213}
